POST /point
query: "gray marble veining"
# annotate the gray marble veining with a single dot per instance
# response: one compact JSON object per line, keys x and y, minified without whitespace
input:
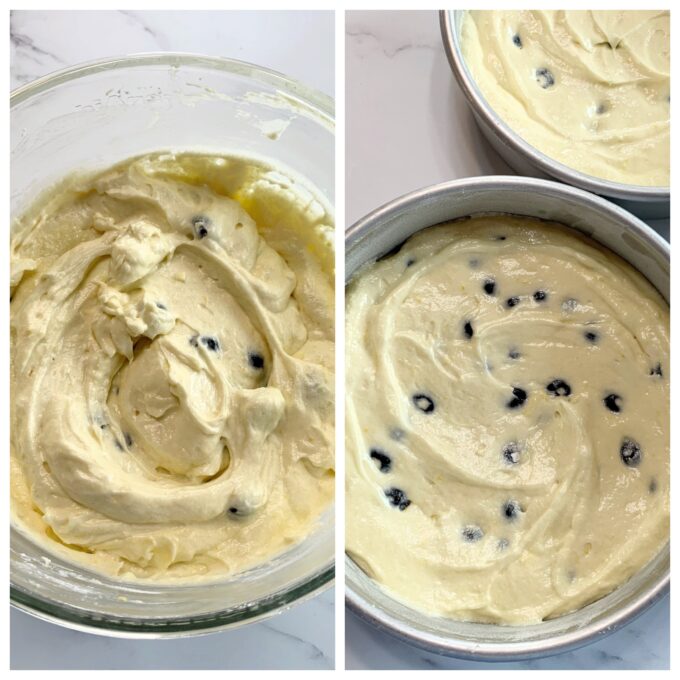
{"x":301,"y":638}
{"x":42,"y":42}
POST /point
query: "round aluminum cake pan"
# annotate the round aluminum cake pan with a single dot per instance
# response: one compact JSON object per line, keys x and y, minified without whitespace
{"x":614,"y":228}
{"x":646,"y":202}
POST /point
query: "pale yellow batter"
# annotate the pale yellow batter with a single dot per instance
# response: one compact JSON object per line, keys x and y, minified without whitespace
{"x":507,"y":421}
{"x":590,"y":89}
{"x":172,"y":357}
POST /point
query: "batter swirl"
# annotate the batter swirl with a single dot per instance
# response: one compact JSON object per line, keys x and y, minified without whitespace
{"x":172,"y":367}
{"x":507,"y":421}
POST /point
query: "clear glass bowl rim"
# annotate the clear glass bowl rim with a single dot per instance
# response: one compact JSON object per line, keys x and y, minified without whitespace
{"x":322,"y":105}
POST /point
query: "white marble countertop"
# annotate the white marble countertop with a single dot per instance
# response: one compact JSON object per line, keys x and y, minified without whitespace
{"x":42,"y":42}
{"x":407,"y":126}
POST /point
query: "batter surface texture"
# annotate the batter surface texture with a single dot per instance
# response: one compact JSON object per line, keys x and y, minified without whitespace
{"x":507,"y":421}
{"x":172,"y":367}
{"x":590,"y":89}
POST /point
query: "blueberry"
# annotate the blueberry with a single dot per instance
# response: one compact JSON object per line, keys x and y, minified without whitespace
{"x":423,"y":403}
{"x":540,"y":295}
{"x":631,"y":453}
{"x":489,"y":286}
{"x":512,"y":301}
{"x":517,"y":40}
{"x":397,"y":498}
{"x":511,"y":453}
{"x":472,"y":533}
{"x":514,"y":354}
{"x":160,"y":305}
{"x":653,"y":486}
{"x":590,"y":336}
{"x":570,"y":305}
{"x":601,"y":108}
{"x":193,"y":340}
{"x":383,"y":459}
{"x":559,"y":388}
{"x":501,"y":238}
{"x":410,"y":262}
{"x":656,"y":370}
{"x":519,"y":396}
{"x":233,"y":510}
{"x":211,"y":343}
{"x":128,"y":439}
{"x":256,"y":360}
{"x":392,"y":251}
{"x":611,"y":402}
{"x":511,"y":510}
{"x":467,"y":329}
{"x":544,"y":78}
{"x":201,"y":225}
{"x":397,"y":433}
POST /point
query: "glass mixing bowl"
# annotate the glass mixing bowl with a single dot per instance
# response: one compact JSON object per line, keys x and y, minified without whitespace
{"x":95,"y":115}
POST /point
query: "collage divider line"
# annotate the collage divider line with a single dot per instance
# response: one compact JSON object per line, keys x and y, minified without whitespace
{"x":340,"y":338}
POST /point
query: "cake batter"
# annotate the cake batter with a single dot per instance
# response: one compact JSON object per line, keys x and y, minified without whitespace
{"x":507,"y":421}
{"x":172,"y":357}
{"x":590,"y":89}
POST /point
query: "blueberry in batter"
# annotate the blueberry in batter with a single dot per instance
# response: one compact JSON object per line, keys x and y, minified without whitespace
{"x":519,"y":396}
{"x":559,"y":388}
{"x":631,"y":453}
{"x":397,"y":498}
{"x":383,"y":460}
{"x":423,"y":403}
